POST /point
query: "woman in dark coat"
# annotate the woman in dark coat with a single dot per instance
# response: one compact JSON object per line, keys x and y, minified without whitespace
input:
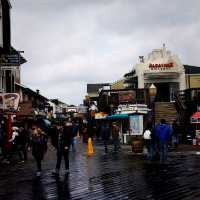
{"x":39,"y":146}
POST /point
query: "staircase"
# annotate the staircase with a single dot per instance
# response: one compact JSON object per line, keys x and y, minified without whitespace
{"x":165,"y":110}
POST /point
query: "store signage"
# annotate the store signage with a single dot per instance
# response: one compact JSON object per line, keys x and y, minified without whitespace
{"x":10,"y":60}
{"x":9,"y":102}
{"x":133,"y":108}
{"x":161,"y":66}
{"x":127,"y":97}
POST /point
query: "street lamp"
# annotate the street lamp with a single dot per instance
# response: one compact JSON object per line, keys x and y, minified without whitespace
{"x":152,"y":91}
{"x":152,"y":95}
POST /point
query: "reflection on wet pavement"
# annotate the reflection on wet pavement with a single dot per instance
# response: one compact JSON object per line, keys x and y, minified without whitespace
{"x":111,"y":176}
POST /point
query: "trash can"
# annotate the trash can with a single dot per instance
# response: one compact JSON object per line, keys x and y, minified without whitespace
{"x":137,"y":145}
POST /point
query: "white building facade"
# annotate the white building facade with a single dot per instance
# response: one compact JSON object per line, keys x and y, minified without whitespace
{"x":164,"y":70}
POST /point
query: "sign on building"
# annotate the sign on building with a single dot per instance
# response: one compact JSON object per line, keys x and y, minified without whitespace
{"x":136,"y":124}
{"x":10,"y":60}
{"x":9,"y":102}
{"x":127,"y":96}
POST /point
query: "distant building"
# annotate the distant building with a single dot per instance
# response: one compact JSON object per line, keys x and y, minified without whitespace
{"x":58,"y":108}
{"x":93,"y":90}
{"x":32,"y":103}
{"x":119,"y":84}
{"x":192,"y":75}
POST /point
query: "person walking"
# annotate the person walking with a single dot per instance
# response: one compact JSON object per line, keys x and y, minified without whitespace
{"x":39,"y":146}
{"x":115,"y":136}
{"x":63,"y":145}
{"x":74,"y":135}
{"x":22,"y":142}
{"x":163,"y":132}
{"x":175,"y":132}
{"x":105,"y":135}
{"x":148,"y":141}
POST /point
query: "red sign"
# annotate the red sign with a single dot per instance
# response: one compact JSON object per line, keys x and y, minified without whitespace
{"x":160,"y":66}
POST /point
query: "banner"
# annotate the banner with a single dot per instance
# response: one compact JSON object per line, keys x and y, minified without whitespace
{"x":9,"y":101}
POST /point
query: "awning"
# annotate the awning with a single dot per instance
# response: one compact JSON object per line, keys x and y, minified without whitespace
{"x":196,"y":115}
{"x":118,"y":116}
{"x":195,"y":118}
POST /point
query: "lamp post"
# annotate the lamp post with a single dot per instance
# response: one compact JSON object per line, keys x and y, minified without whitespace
{"x":152,"y":95}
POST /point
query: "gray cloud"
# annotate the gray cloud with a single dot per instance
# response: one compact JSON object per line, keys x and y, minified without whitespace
{"x":71,"y":42}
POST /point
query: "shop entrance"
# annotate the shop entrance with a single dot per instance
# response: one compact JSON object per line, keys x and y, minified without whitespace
{"x":163,"y":92}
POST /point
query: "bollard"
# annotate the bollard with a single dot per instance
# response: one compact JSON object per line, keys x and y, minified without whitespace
{"x":90,"y":150}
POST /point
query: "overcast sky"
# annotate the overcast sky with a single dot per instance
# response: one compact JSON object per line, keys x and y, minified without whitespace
{"x":69,"y":43}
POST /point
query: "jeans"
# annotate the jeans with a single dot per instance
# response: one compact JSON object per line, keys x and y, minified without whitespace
{"x":163,"y":151}
{"x":116,"y":144}
{"x":175,"y":140}
{"x":38,"y":162}
{"x":73,"y":144}
{"x":150,"y":149}
{"x":105,"y":142}
{"x":61,"y":154}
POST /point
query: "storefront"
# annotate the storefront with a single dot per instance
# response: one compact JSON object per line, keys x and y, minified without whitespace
{"x":130,"y":118}
{"x":195,"y":121}
{"x":164,"y":70}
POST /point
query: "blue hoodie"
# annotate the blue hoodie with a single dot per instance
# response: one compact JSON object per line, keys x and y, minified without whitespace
{"x":163,"y":132}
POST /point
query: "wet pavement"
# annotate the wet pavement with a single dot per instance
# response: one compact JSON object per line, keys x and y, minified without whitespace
{"x":112,"y":176}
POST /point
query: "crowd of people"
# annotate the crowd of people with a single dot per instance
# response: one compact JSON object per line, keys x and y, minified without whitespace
{"x":63,"y":137}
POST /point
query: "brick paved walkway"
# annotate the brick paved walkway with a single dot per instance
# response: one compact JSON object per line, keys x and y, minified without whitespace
{"x":121,"y":176}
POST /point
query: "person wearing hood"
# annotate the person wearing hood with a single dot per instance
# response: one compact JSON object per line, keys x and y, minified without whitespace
{"x":163,"y":133}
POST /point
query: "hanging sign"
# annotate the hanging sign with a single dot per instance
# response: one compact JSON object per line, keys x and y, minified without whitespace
{"x":10,"y":60}
{"x":127,"y":96}
{"x":9,"y":102}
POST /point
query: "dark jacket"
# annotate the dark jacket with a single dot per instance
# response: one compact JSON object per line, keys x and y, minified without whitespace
{"x":74,"y":130}
{"x":175,"y":129}
{"x":105,"y":132}
{"x":64,"y":138}
{"x":115,"y":132}
{"x":54,"y":133}
{"x":39,"y":145}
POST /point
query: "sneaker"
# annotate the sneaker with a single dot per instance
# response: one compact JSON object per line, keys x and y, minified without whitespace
{"x":38,"y":174}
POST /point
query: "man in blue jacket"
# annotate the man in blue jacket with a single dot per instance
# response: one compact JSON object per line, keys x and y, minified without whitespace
{"x":163,"y":133}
